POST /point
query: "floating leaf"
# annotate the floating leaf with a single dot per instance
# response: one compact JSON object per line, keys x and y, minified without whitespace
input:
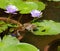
{"x":23,"y":7}
{"x":26,"y":47}
{"x":21,"y":47}
{"x":9,"y":40}
{"x":10,"y":43}
{"x":11,"y":48}
{"x":47,"y":27}
{"x":4,"y":3}
{"x":41,"y":5}
{"x":27,"y":7}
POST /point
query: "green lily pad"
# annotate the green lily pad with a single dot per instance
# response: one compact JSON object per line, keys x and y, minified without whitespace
{"x":9,"y":40}
{"x":41,"y":6}
{"x":27,"y":7}
{"x":47,"y":27}
{"x":26,"y":47}
{"x":11,"y":48}
{"x":23,"y":6}
{"x":10,"y":43}
{"x":3,"y":4}
{"x":21,"y":47}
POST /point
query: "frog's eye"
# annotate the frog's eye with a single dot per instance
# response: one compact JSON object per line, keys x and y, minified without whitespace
{"x":35,"y":29}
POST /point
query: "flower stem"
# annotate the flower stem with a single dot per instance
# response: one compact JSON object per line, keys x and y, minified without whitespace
{"x":34,"y":20}
{"x":19,"y":18}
